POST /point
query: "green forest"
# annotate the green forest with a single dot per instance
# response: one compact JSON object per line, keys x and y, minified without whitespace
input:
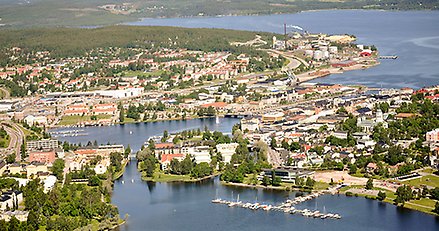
{"x":65,"y":42}
{"x":90,"y":12}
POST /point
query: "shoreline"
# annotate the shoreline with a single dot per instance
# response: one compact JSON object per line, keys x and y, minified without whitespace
{"x":151,"y":179}
{"x":142,"y":19}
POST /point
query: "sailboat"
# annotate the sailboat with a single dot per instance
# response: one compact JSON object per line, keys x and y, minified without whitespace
{"x":216,"y":200}
{"x":217,"y":120}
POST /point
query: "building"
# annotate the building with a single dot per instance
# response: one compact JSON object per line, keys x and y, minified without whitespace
{"x":102,"y":166}
{"x":106,"y":150}
{"x":201,"y":154}
{"x":46,"y":144}
{"x":35,"y":120}
{"x":166,"y":159}
{"x":250,"y":124}
{"x":227,"y":151}
{"x":273,"y":117}
{"x":288,"y":175}
{"x":432,"y":136}
{"x":47,"y":157}
{"x":10,"y":198}
{"x":35,"y":169}
{"x":19,"y":214}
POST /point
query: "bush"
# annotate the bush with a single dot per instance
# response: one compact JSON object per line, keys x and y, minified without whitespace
{"x":349,"y":194}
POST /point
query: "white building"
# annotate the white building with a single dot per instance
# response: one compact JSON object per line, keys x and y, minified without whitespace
{"x":227,"y":151}
{"x":200,"y":153}
{"x":35,"y":120}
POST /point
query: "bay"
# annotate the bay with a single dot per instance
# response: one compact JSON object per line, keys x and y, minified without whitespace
{"x":411,"y":35}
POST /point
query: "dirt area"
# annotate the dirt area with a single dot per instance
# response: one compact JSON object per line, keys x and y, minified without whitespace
{"x":339,"y":176}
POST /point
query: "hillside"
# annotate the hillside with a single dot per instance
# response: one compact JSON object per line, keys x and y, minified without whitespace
{"x":26,"y":13}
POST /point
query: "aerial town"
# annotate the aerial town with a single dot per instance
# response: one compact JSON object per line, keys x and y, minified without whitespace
{"x":291,"y":133}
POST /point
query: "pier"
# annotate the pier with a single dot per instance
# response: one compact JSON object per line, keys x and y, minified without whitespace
{"x":286,"y":207}
{"x":388,"y":57}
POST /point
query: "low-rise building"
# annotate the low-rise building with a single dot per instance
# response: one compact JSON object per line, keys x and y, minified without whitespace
{"x":47,"y":157}
{"x":226,"y":151}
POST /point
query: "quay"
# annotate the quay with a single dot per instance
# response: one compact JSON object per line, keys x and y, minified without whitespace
{"x":388,"y":57}
{"x":286,"y":207}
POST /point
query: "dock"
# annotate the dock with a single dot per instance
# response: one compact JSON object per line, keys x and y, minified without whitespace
{"x":388,"y":57}
{"x":285,"y":207}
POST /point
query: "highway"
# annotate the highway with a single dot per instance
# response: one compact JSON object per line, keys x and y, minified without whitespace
{"x":16,"y":139}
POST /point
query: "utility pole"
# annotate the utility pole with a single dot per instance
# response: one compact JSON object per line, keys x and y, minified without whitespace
{"x":285,"y":35}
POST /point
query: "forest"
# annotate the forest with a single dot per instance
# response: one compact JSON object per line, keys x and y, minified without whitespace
{"x":44,"y":13}
{"x":68,"y":42}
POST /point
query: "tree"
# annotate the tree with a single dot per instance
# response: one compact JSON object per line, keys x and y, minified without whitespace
{"x":14,"y":224}
{"x":381,"y":195}
{"x":127,"y":151}
{"x":58,"y":168}
{"x":276,"y":181}
{"x":273,"y":143}
{"x":436,"y":207}
{"x":352,"y":169}
{"x":369,"y":184}
{"x":121,"y":115}
{"x":403,"y":193}
{"x":310,"y":182}
{"x":265,"y":181}
{"x":10,"y":158}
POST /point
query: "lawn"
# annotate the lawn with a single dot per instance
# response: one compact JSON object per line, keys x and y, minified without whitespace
{"x":75,"y":119}
{"x":430,"y":180}
{"x":142,"y":73}
{"x":162,"y":177}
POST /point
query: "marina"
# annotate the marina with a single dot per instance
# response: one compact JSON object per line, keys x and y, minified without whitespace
{"x":285,"y":207}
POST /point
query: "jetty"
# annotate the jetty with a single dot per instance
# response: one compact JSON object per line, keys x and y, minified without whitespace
{"x":285,"y":207}
{"x":388,"y":57}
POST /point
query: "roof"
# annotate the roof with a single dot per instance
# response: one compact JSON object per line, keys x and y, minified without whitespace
{"x":215,"y":105}
{"x":169,"y":157}
{"x":164,"y":145}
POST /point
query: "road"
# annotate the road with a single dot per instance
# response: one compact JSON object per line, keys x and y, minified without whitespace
{"x":5,"y":93}
{"x":16,"y":138}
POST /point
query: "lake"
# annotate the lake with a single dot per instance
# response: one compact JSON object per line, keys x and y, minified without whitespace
{"x":412,"y":35}
{"x":187,"y":206}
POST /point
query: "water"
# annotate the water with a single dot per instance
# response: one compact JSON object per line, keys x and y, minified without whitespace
{"x":187,"y":206}
{"x":136,"y":134}
{"x":412,"y":35}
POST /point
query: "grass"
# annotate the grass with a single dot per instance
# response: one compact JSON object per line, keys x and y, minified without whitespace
{"x":423,"y":205}
{"x":142,"y":73}
{"x":75,"y":119}
{"x":430,"y":180}
{"x":162,"y":177}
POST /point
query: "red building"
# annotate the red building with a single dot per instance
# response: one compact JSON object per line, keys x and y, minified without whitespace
{"x":47,"y":157}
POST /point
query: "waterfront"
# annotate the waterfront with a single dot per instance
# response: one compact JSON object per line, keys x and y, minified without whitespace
{"x":135,"y":134}
{"x":187,"y":206}
{"x":412,"y":35}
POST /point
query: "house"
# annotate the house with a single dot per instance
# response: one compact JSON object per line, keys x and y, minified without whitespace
{"x":432,"y":136}
{"x":35,"y":168}
{"x":10,"y":198}
{"x":166,"y":159}
{"x":102,"y":166}
{"x":371,"y":167}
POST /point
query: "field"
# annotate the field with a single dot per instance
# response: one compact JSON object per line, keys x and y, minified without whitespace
{"x":72,"y":120}
{"x":162,"y":177}
{"x":430,"y":180}
{"x":76,"y":13}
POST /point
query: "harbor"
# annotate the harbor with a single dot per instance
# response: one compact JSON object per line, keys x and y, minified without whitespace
{"x":285,"y":207}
